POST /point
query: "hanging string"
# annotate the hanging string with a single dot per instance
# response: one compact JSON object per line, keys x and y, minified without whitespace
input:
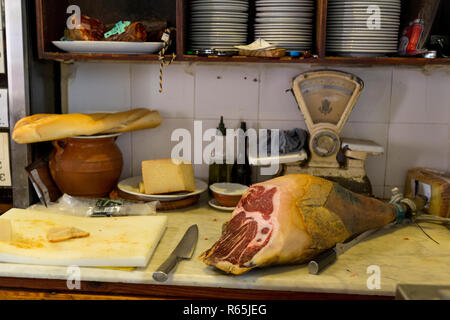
{"x":162,"y":58}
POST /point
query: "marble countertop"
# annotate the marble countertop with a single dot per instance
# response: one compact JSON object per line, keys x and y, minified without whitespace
{"x":403,"y":254}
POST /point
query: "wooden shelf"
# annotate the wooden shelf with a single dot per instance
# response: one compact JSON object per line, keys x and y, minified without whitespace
{"x":177,"y":13}
{"x":388,"y":61}
{"x":70,"y":57}
{"x":243,"y":59}
{"x":326,"y":60}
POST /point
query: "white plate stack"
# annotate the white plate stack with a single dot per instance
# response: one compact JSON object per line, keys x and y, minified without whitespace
{"x":218,"y":24}
{"x":286,"y":22}
{"x":363,"y":28}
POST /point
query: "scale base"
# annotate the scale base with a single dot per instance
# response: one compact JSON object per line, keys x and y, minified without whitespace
{"x":353,"y":179}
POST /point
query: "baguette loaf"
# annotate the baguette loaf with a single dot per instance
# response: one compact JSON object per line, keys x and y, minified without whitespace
{"x":48,"y":127}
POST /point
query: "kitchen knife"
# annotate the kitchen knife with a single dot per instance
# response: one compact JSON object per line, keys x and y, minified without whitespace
{"x":326,"y":258}
{"x":184,"y":250}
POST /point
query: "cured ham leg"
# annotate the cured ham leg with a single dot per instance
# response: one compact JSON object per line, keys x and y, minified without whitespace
{"x":292,"y":219}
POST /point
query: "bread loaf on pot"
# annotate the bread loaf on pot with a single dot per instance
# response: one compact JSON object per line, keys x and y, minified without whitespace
{"x":48,"y":127}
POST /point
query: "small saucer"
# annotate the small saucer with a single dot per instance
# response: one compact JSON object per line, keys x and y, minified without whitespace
{"x":213,"y":203}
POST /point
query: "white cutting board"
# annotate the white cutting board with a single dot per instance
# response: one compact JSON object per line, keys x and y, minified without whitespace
{"x":113,"y":242}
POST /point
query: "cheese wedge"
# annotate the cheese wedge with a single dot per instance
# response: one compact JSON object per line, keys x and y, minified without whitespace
{"x":435,"y":185}
{"x":5,"y":230}
{"x":167,"y":176}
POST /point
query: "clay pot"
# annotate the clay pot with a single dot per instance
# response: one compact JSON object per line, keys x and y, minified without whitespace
{"x":86,"y":166}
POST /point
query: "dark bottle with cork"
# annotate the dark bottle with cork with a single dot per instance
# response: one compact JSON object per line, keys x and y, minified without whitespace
{"x":220,"y":172}
{"x":242,"y":172}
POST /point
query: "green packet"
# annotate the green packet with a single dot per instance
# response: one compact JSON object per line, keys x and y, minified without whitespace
{"x":107,"y":208}
{"x":119,"y":28}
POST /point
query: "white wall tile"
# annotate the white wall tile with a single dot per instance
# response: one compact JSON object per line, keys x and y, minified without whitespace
{"x":97,"y":87}
{"x":415,"y":145}
{"x":438,"y":97}
{"x":419,"y":97}
{"x":378,"y":191}
{"x":373,"y":104}
{"x":283,"y":125}
{"x":124,"y":143}
{"x":156,"y":143}
{"x":275,"y":102}
{"x":177,"y":98}
{"x":228,"y":90}
{"x":448,"y":169}
{"x":375,"y":165}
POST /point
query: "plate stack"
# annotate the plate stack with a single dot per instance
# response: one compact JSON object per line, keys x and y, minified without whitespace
{"x":363,"y":28}
{"x":218,"y":24}
{"x":286,"y":22}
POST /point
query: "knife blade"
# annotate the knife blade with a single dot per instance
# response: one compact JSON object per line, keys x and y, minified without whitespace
{"x":328,"y":257}
{"x":183,"y":251}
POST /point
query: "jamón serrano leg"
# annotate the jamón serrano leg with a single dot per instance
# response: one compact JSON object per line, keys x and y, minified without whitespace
{"x":290,"y":220}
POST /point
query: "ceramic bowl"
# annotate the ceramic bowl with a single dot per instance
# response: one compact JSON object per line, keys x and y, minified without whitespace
{"x":228,"y":194}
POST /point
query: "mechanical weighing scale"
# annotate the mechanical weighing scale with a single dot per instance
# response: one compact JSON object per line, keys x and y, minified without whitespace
{"x":326,"y":98}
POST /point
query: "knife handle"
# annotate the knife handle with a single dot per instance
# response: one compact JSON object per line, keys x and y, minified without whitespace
{"x":322,"y":261}
{"x":162,"y":273}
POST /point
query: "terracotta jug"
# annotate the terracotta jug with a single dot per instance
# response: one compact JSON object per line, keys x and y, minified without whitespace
{"x":86,"y":166}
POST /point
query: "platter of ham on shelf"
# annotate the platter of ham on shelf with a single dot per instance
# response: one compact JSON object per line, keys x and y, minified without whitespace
{"x":123,"y":37}
{"x":109,"y":47}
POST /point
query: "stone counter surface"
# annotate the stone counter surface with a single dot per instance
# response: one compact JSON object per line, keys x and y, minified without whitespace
{"x":404,"y":254}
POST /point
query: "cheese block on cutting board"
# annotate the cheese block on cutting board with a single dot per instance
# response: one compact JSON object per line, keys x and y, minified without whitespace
{"x":167,"y":176}
{"x":112,"y":242}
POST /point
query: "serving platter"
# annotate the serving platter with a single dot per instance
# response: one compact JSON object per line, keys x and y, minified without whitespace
{"x":213,"y":203}
{"x":219,"y":19}
{"x":287,"y":22}
{"x":229,"y":8}
{"x":348,"y":31}
{"x":277,"y":27}
{"x":112,"y":47}
{"x":277,"y":8}
{"x":286,"y":35}
{"x":99,"y":136}
{"x":282,"y":20}
{"x":131,"y":186}
{"x":286,"y":14}
{"x":364,"y":49}
{"x":217,"y":24}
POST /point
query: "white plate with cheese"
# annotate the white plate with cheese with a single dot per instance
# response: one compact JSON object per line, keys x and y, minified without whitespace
{"x":131,"y":186}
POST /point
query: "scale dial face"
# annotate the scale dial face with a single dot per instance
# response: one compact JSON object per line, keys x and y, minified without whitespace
{"x":325,"y":144}
{"x":327,"y":97}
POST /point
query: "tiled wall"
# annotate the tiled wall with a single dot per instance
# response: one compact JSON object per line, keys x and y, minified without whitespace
{"x":406,"y":110}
